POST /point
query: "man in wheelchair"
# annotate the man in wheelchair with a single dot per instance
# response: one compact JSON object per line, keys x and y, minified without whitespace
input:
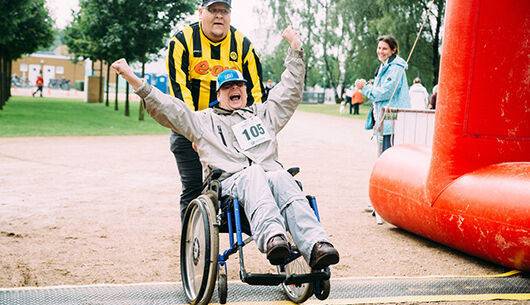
{"x":241,"y":140}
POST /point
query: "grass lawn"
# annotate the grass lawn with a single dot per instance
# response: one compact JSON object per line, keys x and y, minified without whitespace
{"x":26,"y":116}
{"x":333,"y":109}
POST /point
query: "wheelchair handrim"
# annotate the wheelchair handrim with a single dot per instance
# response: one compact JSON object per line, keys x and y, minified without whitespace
{"x":191,"y":244}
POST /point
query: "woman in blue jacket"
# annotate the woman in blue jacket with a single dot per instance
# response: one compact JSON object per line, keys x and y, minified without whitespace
{"x":389,"y":74}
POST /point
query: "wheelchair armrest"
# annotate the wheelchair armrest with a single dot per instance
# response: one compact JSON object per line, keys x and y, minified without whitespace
{"x":213,"y":175}
{"x":293,"y":171}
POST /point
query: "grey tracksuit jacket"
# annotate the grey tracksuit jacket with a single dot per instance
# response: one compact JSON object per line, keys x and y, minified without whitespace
{"x":276,"y":202}
{"x":202,"y":127}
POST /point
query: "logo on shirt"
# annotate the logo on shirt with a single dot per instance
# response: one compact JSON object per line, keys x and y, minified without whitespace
{"x":204,"y":68}
{"x":233,"y":55}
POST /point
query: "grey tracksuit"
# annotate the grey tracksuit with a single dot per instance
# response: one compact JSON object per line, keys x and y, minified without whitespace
{"x":254,"y":175}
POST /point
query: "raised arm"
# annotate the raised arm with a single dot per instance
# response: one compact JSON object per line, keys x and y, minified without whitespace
{"x":168,"y":111}
{"x":287,"y":94}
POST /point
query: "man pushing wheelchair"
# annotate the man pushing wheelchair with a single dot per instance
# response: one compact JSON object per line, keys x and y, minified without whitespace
{"x":241,"y":141}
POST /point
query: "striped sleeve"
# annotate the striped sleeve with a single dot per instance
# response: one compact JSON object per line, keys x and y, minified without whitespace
{"x":252,"y":72}
{"x":177,"y":62}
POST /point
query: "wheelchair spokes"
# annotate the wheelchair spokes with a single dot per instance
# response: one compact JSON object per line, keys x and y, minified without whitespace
{"x":199,"y":250}
{"x":297,"y":293}
{"x":201,"y":264}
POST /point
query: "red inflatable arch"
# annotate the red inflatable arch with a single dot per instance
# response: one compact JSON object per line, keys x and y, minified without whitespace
{"x":471,"y":191}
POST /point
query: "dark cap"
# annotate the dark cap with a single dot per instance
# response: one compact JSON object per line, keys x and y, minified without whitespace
{"x":209,"y":2}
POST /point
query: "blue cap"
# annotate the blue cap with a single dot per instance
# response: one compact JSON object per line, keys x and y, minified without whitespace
{"x":229,"y":76}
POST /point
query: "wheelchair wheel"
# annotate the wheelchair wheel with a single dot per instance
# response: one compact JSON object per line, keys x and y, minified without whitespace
{"x":301,"y":292}
{"x":222,"y":287}
{"x":199,"y":250}
{"x":323,"y":290}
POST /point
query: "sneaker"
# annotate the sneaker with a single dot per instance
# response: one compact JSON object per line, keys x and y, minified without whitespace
{"x":323,"y":255}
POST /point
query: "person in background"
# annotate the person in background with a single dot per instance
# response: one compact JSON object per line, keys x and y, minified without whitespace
{"x":419,"y":97}
{"x":197,"y":55}
{"x":266,"y":90}
{"x":40,"y":84}
{"x":390,"y":76}
{"x":357,"y":99}
{"x":347,"y":96}
{"x":434,"y":97}
{"x":390,"y":87}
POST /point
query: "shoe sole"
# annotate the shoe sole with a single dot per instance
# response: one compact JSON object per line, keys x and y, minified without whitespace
{"x":325,"y":261}
{"x":278,"y":255}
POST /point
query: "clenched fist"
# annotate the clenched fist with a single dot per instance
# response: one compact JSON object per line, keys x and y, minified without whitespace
{"x":122,"y":68}
{"x":293,"y":38}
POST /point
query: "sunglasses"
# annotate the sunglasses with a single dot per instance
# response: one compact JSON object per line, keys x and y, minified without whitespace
{"x":230,"y":84}
{"x":214,"y":11}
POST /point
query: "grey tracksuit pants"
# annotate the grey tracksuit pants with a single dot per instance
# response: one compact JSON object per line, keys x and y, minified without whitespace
{"x":273,"y":202}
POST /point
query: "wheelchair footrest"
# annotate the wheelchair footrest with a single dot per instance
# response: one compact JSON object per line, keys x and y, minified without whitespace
{"x":265,"y":279}
{"x":307,"y":278}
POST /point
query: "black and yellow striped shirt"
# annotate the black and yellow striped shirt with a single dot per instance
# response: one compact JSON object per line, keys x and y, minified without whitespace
{"x":194,"y":62}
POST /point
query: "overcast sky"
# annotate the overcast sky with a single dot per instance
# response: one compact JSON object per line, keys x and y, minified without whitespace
{"x":244,"y":18}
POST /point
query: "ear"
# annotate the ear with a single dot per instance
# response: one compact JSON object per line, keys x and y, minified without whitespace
{"x":200,"y":12}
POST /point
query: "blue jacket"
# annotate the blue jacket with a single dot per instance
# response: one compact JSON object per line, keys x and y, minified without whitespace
{"x":381,"y":91}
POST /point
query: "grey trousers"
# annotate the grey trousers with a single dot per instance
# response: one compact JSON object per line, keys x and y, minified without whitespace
{"x":273,"y":202}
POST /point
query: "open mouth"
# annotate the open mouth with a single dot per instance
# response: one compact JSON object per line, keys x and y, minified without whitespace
{"x":235,"y":97}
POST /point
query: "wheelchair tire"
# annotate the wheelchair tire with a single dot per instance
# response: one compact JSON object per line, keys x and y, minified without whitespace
{"x":222,"y":287}
{"x":297,"y":293}
{"x":199,"y":250}
{"x":323,"y":290}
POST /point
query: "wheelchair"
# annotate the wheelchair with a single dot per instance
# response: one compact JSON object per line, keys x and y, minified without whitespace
{"x":202,"y":264}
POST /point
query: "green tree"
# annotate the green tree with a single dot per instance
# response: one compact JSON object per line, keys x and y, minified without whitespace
{"x":303,"y":14}
{"x":107,"y":30}
{"x":25,"y":29}
{"x":149,"y":24}
{"x":340,"y":37}
{"x":402,"y":19}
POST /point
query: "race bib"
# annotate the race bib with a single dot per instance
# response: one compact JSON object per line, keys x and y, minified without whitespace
{"x":250,"y":133}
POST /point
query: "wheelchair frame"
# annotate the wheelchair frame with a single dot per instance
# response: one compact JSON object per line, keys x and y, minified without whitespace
{"x":201,"y":261}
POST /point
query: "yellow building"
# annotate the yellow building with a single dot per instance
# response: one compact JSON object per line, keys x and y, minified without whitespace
{"x":51,"y":65}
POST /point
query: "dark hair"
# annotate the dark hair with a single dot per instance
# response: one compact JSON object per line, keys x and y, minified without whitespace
{"x":391,"y":41}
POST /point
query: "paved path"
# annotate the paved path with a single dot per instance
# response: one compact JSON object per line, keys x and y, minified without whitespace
{"x":85,"y":210}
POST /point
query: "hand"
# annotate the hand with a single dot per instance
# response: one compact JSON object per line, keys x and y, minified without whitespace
{"x":293,"y":37}
{"x":360,"y":83}
{"x":122,"y":68}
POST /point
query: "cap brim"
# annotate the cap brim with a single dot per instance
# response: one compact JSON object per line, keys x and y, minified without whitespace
{"x":218,"y":2}
{"x":232,"y":81}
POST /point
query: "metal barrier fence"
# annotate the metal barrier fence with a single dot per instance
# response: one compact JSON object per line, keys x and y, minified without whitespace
{"x":313,"y":97}
{"x":413,"y":126}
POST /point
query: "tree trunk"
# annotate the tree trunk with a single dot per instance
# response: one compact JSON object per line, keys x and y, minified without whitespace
{"x":5,"y":82}
{"x":436,"y":43}
{"x":141,"y":111}
{"x":8,"y":78}
{"x":116,"y":96}
{"x":2,"y":83}
{"x":127,"y":112}
{"x":108,"y":80}
{"x":100,"y":99}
